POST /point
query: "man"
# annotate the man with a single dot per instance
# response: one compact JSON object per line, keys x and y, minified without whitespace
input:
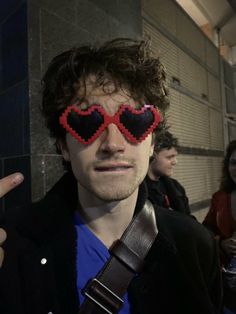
{"x":103,"y":106}
{"x":162,"y":189}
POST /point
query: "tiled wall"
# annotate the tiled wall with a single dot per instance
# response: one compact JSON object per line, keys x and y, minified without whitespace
{"x":55,"y":26}
{"x":26,"y":47}
{"x":14,"y":99}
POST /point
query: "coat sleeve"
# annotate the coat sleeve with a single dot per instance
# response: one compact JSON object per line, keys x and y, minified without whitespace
{"x":186,"y":208}
{"x":215,"y":283}
{"x":177,"y":194}
{"x":209,"y":259}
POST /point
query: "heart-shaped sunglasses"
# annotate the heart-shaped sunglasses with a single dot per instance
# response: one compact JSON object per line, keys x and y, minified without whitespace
{"x":87,"y":125}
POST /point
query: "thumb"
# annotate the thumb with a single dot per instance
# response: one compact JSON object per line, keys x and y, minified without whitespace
{"x":2,"y":239}
{"x":10,"y":182}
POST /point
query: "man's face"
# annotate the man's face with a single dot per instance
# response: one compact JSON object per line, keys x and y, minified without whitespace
{"x":110,"y":168}
{"x":164,"y":161}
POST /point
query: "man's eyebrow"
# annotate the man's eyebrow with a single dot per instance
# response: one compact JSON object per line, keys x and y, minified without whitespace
{"x":80,"y":100}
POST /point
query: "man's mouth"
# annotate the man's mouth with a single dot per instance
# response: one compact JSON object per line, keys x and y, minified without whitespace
{"x":112,"y":167}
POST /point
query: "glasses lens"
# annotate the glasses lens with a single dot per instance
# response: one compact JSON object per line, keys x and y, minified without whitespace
{"x":85,"y":125}
{"x":137,"y":124}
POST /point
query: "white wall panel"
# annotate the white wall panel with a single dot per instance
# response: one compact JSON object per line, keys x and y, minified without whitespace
{"x":228,"y":74}
{"x":230,"y":100}
{"x":192,"y":75}
{"x":231,"y":130}
{"x":189,"y":120}
{"x":163,"y":12}
{"x":164,"y":48}
{"x":214,"y":93}
{"x":190,"y":35}
{"x":212,"y":57}
{"x":216,"y":129}
{"x":200,"y":175}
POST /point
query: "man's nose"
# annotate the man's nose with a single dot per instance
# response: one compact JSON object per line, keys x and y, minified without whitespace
{"x":174,"y":161}
{"x":112,"y":139}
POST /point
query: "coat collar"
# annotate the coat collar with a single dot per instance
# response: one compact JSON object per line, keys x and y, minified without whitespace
{"x":49,"y":224}
{"x":45,"y":217}
{"x":54,"y":213}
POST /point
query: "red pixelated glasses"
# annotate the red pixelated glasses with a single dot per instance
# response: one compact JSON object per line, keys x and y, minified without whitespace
{"x":87,"y":125}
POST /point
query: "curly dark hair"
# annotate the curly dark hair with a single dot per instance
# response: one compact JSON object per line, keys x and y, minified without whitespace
{"x":227,"y":184}
{"x":165,"y":140}
{"x":125,"y":62}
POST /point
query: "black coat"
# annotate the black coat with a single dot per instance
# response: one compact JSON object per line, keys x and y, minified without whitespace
{"x":177,"y":197}
{"x":38,"y":276}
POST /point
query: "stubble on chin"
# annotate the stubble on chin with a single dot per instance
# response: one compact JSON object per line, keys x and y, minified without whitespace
{"x":112,"y":190}
{"x":115,"y":192}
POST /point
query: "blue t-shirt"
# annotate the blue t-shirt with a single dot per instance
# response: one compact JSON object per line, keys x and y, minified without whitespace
{"x":92,"y":254}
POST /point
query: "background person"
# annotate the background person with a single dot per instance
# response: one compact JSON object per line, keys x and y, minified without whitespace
{"x":164,"y":190}
{"x":221,"y":217}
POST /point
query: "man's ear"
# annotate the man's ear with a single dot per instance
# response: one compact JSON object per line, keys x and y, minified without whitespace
{"x":151,"y":152}
{"x":152,"y":145}
{"x":62,"y":146}
{"x":154,"y":155}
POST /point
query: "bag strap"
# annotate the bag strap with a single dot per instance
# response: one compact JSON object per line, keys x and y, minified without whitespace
{"x":104,"y":292}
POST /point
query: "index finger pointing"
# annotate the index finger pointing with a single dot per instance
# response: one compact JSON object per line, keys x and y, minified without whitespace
{"x":10,"y":182}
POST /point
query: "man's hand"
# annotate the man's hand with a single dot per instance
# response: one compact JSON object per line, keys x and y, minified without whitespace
{"x":7,"y":184}
{"x":10,"y":182}
{"x":3,"y":237}
{"x":229,"y":245}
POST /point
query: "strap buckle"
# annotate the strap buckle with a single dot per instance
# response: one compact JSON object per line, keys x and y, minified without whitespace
{"x":103,"y":296}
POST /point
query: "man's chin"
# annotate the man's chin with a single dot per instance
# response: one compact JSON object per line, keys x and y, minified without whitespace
{"x":117,"y":192}
{"x":113,"y":196}
{"x":113,"y":190}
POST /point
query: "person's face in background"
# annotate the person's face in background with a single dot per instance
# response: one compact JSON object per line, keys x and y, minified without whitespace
{"x":164,"y":161}
{"x":232,"y":166}
{"x":111,"y":168}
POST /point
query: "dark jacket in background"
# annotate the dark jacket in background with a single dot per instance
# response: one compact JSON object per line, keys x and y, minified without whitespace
{"x":38,"y":276}
{"x":175,"y":192}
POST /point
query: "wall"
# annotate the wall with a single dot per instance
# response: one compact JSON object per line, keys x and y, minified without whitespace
{"x":230,"y":101}
{"x":14,"y":99}
{"x":32,"y":33}
{"x":55,"y":26}
{"x":194,"y":75}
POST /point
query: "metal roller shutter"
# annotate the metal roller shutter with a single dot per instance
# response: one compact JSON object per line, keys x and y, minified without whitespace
{"x":189,"y":120}
{"x":200,"y":175}
{"x":216,"y":129}
{"x":232,"y":130}
{"x":190,"y":35}
{"x":167,"y":51}
{"x":162,"y":12}
{"x":195,"y":114}
{"x":212,"y":57}
{"x":192,"y":75}
{"x":214,"y":90}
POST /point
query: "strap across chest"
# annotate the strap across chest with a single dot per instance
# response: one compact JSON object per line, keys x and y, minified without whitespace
{"x":104,"y":292}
